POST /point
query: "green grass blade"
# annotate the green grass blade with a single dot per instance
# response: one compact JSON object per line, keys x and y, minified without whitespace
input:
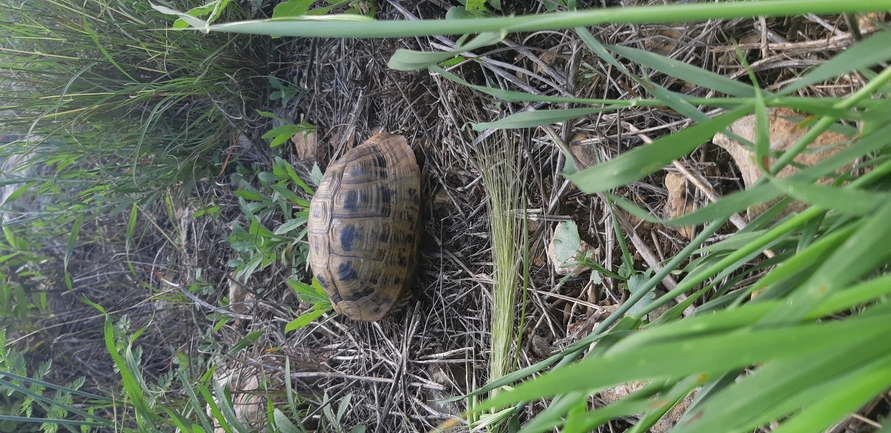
{"x":72,"y":239}
{"x":767,"y":393}
{"x":65,"y":422}
{"x":145,"y":416}
{"x":196,"y":406}
{"x":686,"y":72}
{"x":840,"y":397}
{"x":721,"y":209}
{"x":244,"y":342}
{"x":515,"y":96}
{"x":307,"y":317}
{"x":553,"y":415}
{"x":293,"y":175}
{"x":627,"y":323}
{"x":856,"y":202}
{"x":284,"y":424}
{"x":407,"y":60}
{"x":182,"y":423}
{"x":110,"y":59}
{"x":530,"y":23}
{"x":131,"y":226}
{"x":196,"y":23}
{"x":289,"y":195}
{"x":817,"y":253}
{"x":648,"y":159}
{"x":761,"y":193}
{"x":860,"y":294}
{"x":762,"y":129}
{"x":861,"y":253}
{"x":698,"y":326}
{"x":50,"y":402}
{"x":54,"y":386}
{"x":733,"y":243}
{"x":738,"y":258}
{"x":675,"y":101}
{"x":289,"y":225}
{"x":824,"y":123}
{"x":215,"y":408}
{"x":628,"y":406}
{"x":710,"y":354}
{"x":667,"y":400}
{"x":225,"y":407}
{"x":866,"y":53}
{"x":530,"y":119}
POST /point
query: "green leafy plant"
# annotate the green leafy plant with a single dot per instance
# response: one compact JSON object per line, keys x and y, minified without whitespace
{"x":212,"y":10}
{"x":27,"y":401}
{"x":313,"y":294}
{"x":20,"y":271}
{"x":284,"y":91}
{"x":302,"y":8}
{"x":154,"y":409}
{"x":563,"y":20}
{"x":473,"y":9}
{"x":257,"y":245}
{"x":335,"y":419}
{"x":283,"y":133}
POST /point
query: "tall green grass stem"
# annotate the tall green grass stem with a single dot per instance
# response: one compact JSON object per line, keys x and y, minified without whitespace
{"x":330,"y":27}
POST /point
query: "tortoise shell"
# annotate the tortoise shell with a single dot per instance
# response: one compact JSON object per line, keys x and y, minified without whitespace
{"x":364,"y":227}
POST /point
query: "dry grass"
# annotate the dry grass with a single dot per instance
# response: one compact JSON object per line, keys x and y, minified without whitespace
{"x":438,"y":346}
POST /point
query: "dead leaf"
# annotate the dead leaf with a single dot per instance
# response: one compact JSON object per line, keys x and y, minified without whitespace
{"x":783,"y":133}
{"x":570,"y":265}
{"x":249,"y":405}
{"x":581,"y":147}
{"x":305,"y":144}
{"x":679,"y":201}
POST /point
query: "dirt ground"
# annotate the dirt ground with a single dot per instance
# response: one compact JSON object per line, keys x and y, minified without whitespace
{"x":394,"y":371}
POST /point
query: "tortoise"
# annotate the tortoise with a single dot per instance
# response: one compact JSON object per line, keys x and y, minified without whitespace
{"x":364,"y":227}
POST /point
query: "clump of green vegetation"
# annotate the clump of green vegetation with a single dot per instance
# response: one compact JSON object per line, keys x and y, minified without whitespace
{"x":105,"y":111}
{"x":112,"y":108}
{"x":258,"y":246}
{"x":28,"y":402}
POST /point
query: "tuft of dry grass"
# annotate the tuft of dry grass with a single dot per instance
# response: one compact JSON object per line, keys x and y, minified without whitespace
{"x":496,"y":158}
